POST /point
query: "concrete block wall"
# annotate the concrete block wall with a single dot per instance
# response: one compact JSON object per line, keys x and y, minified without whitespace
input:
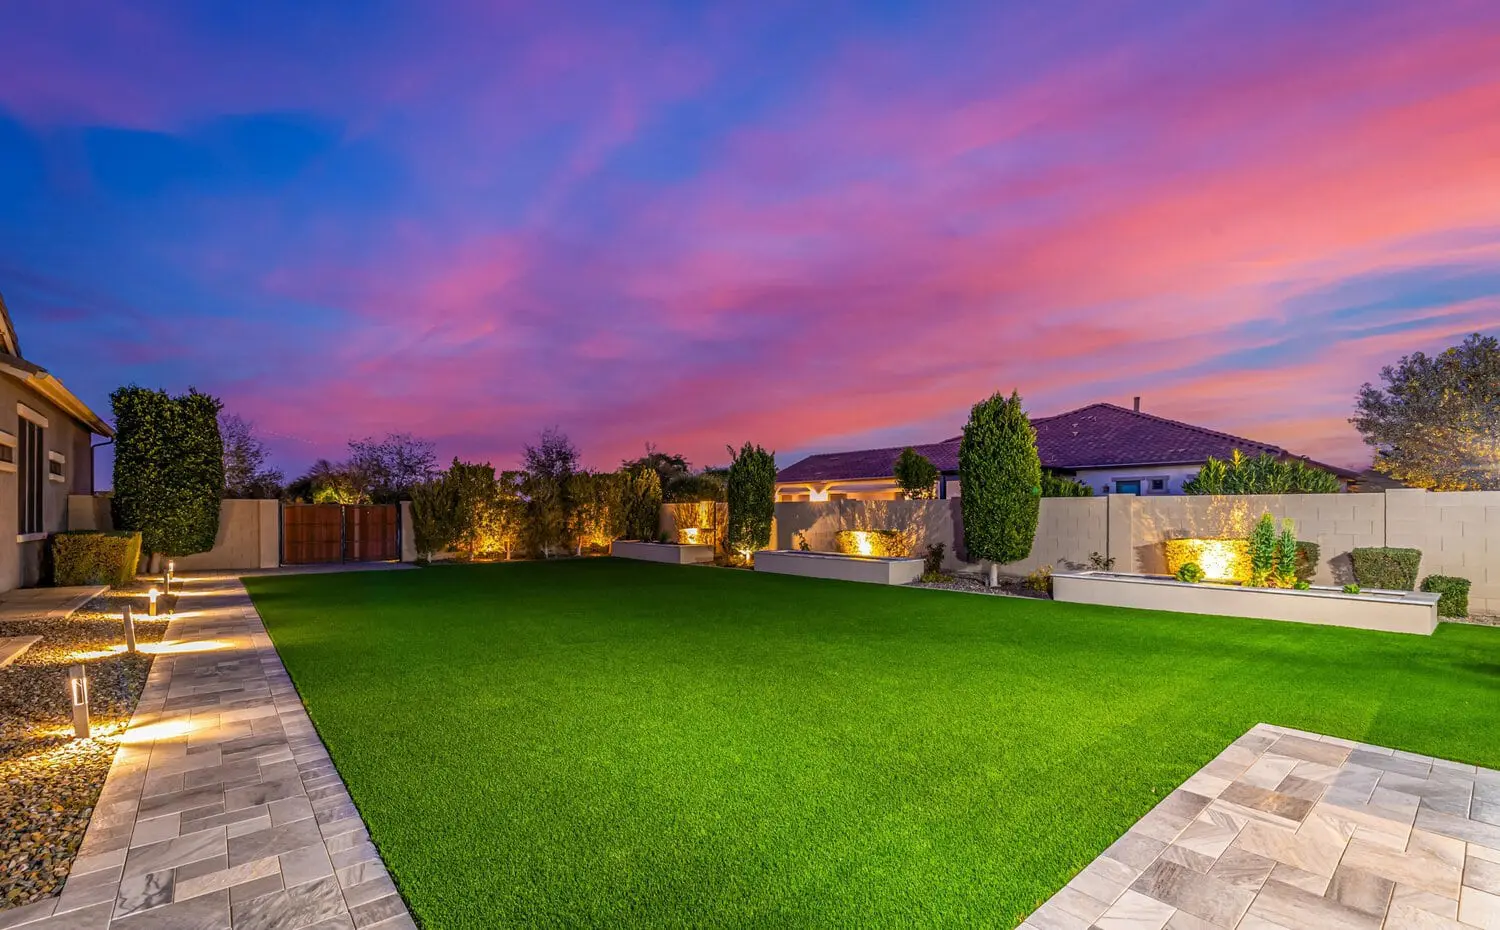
{"x":1458,"y":533}
{"x":249,"y":533}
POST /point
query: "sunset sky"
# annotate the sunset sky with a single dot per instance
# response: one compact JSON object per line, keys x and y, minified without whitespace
{"x":813,"y":226}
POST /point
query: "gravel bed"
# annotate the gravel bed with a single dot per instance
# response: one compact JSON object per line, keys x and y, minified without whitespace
{"x":49,"y":781}
{"x":1009,"y":587}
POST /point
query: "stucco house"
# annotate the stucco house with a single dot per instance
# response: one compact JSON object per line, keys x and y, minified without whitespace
{"x":46,"y":453}
{"x":1113,"y":449}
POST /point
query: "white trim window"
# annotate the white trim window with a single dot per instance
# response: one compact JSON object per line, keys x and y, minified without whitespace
{"x":57,"y":466}
{"x":31,"y":474}
{"x":7,"y":452}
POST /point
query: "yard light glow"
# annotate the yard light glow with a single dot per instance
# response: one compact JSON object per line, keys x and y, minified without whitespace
{"x":153,"y":594}
{"x":129,"y":629}
{"x":863,"y":544}
{"x":78,"y":693}
{"x":691,"y":535}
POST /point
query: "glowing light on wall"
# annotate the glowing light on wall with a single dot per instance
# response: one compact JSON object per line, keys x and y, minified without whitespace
{"x":863,"y":545}
{"x":692,"y":535}
{"x":152,"y":732}
{"x":1222,"y":560}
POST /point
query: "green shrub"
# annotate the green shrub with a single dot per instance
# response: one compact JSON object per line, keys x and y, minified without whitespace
{"x":90,"y":557}
{"x":1386,"y":567}
{"x":932,"y":562}
{"x":1308,"y":556}
{"x":1002,"y":482}
{"x":1190,"y":573}
{"x":1060,"y":486}
{"x":1454,"y":601}
{"x":1262,"y":474}
{"x":916,"y":475}
{"x":169,"y":468}
{"x":752,"y":499}
{"x":1263,"y":551}
{"x":1352,"y":589}
{"x":1039,"y":580}
{"x":1286,"y":575}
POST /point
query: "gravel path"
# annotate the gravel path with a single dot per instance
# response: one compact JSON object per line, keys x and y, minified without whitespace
{"x":49,"y":780}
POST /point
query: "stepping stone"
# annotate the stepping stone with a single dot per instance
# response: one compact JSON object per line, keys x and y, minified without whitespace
{"x":13,"y":647}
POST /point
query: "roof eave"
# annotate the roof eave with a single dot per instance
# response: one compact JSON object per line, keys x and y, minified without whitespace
{"x":42,"y":381}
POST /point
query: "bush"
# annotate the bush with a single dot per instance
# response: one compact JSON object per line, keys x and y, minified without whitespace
{"x":916,"y":475}
{"x":1263,"y":474}
{"x":1454,"y":601}
{"x":169,"y":468}
{"x":1263,"y":551}
{"x":1308,"y":556}
{"x":1351,"y":589}
{"x":932,"y":562}
{"x":1059,"y":486}
{"x":1039,"y":580}
{"x":878,"y":543}
{"x":1101,"y":563}
{"x":1190,"y":573}
{"x":752,"y":499}
{"x":1386,"y":567}
{"x":1220,"y":559}
{"x":89,"y":557}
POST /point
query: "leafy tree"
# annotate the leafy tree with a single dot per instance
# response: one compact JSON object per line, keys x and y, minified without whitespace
{"x":1435,"y":422}
{"x":548,"y":466}
{"x":435,"y":516}
{"x":1262,"y":474}
{"x":507,"y":521}
{"x":245,"y":471}
{"x":169,"y":468}
{"x":668,"y":468}
{"x":387,"y":469}
{"x":916,"y":475}
{"x":642,"y":503}
{"x":752,"y":499}
{"x":1061,"y":486}
{"x":476,"y":498}
{"x":328,"y":482}
{"x":596,"y":505}
{"x":704,"y":486}
{"x":1001,"y":476}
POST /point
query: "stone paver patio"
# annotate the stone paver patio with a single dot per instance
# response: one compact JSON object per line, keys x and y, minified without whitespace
{"x":1288,"y":830}
{"x":222,"y":809}
{"x":52,"y":603}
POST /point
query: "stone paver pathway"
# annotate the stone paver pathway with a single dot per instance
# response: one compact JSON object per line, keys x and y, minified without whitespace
{"x":1288,"y":830}
{"x":51,"y":603}
{"x":222,"y":809}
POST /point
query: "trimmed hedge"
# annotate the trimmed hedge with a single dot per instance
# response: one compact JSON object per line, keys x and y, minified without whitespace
{"x":1386,"y":567}
{"x":91,"y":557}
{"x":1454,"y":601}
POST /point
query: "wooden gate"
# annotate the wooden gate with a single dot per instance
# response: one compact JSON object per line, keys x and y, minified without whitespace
{"x":370,"y":533}
{"x":312,"y":533}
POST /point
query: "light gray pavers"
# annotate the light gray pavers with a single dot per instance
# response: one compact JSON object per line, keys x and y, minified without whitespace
{"x":222,"y":810}
{"x":1288,"y":830}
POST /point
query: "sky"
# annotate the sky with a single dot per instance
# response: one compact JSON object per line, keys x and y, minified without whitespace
{"x":811,"y":226}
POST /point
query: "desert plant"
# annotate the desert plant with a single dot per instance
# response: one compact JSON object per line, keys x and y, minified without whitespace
{"x":1261,"y":474}
{"x":1100,"y":562}
{"x":932,"y":562}
{"x":1454,"y":594}
{"x":752,"y":499}
{"x":1386,"y":567}
{"x":1352,"y":589}
{"x":1190,"y":573}
{"x":1061,"y":486}
{"x":1001,"y":477}
{"x":1263,"y":551}
{"x":916,"y":475}
{"x":1285,"y":575}
{"x":89,"y":557}
{"x":1039,"y":580}
{"x":169,"y":468}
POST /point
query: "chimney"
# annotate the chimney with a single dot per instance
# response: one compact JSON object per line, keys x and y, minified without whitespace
{"x":1138,"y":403}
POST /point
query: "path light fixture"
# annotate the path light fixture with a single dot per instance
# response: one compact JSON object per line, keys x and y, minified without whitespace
{"x":129,"y":630}
{"x":153,"y":594}
{"x":78,"y":693}
{"x":171,"y":567}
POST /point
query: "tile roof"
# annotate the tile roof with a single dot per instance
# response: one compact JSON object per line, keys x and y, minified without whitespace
{"x":1096,"y":436}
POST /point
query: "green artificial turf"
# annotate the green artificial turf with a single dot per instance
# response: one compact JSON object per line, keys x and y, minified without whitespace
{"x":611,"y":744}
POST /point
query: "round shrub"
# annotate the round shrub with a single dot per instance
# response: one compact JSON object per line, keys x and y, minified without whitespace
{"x":1190,"y":573}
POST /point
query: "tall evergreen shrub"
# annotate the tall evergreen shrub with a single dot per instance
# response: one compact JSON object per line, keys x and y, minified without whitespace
{"x":1001,"y":480}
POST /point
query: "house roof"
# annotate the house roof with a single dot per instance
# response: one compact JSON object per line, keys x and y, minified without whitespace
{"x":41,"y":380}
{"x":1096,"y":436}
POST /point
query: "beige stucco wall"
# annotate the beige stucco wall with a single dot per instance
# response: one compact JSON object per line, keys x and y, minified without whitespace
{"x":249,"y":537}
{"x":1458,"y":533}
{"x":21,"y":562}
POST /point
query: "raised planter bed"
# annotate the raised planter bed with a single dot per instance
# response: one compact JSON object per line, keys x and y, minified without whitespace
{"x":871,"y":569}
{"x":1386,"y":611}
{"x":671,"y":553}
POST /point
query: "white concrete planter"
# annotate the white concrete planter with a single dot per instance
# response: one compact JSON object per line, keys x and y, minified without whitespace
{"x":1371,"y":609}
{"x":841,"y":567}
{"x":671,"y":553}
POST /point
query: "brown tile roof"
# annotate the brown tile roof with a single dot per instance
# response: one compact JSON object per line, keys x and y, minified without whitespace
{"x":1096,"y":436}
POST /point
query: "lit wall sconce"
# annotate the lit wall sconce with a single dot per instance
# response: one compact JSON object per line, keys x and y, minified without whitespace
{"x":129,"y":630}
{"x":153,"y":594}
{"x":78,"y":693}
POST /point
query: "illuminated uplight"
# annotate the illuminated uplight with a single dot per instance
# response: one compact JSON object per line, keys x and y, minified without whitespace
{"x":152,"y":595}
{"x":90,"y":654}
{"x":863,"y":544}
{"x":1222,"y":560}
{"x":175,"y":647}
{"x":691,"y":535}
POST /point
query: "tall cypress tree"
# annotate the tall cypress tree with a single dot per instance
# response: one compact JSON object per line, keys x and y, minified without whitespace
{"x":1000,"y":478}
{"x":169,"y":468}
{"x":752,"y":498}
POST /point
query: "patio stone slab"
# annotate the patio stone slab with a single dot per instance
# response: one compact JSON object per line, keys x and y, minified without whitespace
{"x":1288,"y":830}
{"x":222,"y":810}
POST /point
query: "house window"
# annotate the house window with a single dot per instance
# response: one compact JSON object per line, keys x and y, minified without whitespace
{"x":31,"y":472}
{"x":1130,"y":486}
{"x":1158,"y":485}
{"x":57,"y":465}
{"x":7,"y":451}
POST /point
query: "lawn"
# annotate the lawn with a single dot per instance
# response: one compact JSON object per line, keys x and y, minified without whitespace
{"x":611,"y":744}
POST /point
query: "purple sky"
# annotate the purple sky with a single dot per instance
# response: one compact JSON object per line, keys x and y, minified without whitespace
{"x":814,"y":227}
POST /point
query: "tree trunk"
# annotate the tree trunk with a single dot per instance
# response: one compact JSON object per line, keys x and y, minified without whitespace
{"x":994,"y":579}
